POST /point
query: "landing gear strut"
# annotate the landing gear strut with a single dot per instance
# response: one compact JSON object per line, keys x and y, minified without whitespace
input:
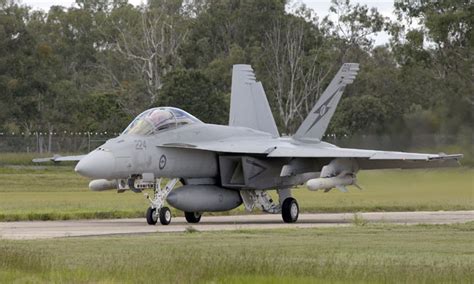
{"x":156,"y":210}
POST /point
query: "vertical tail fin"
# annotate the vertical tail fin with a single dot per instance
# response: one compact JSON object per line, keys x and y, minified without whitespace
{"x":315,"y":125}
{"x":248,"y":103}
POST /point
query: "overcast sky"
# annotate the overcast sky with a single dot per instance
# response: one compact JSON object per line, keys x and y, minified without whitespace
{"x":321,"y":7}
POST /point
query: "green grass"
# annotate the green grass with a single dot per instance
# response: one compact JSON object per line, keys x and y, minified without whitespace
{"x":57,"y":192}
{"x":364,"y":254}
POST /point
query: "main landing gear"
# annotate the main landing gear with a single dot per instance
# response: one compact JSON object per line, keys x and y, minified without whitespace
{"x":288,"y":207}
{"x":157,"y":210}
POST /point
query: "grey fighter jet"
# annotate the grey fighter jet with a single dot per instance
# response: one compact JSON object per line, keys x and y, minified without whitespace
{"x":222,"y":166}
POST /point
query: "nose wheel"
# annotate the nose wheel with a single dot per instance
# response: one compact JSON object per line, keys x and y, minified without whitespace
{"x":151,"y":216}
{"x":164,"y":215}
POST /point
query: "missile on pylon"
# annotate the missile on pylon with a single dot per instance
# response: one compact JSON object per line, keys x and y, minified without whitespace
{"x":340,"y":182}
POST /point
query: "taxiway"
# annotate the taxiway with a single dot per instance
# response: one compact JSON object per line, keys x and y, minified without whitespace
{"x":78,"y":228}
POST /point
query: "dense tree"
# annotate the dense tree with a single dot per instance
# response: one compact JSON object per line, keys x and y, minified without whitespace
{"x":148,"y":39}
{"x":193,"y":92}
{"x":94,"y":66}
{"x":296,"y":60}
{"x":437,"y":60}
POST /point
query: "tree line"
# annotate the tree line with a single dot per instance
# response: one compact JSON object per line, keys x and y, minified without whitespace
{"x":93,"y":67}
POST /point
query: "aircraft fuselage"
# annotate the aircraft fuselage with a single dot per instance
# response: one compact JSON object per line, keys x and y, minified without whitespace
{"x":127,"y":155}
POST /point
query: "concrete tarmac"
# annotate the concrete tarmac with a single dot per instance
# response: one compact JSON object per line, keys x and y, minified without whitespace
{"x":78,"y":228}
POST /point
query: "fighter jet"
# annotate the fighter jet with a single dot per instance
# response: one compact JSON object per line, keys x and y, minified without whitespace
{"x":219,"y":167}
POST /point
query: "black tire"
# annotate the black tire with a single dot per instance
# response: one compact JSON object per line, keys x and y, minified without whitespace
{"x":131,"y":185}
{"x":290,"y":210}
{"x":192,"y":217}
{"x":165,"y":216}
{"x":151,"y":216}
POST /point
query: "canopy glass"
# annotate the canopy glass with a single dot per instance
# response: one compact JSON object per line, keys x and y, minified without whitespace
{"x":159,"y":119}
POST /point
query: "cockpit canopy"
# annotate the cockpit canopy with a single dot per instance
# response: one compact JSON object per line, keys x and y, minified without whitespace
{"x":159,"y":119}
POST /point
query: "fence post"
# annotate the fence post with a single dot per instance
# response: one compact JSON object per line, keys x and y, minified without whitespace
{"x":37,"y":143}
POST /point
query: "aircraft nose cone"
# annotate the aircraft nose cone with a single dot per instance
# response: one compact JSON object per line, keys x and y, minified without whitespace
{"x":98,"y":164}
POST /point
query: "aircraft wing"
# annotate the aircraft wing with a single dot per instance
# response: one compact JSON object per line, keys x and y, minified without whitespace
{"x":367,"y":159}
{"x":372,"y":159}
{"x":59,"y":158}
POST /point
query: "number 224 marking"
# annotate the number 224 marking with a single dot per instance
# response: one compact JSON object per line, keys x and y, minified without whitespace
{"x":141,"y":144}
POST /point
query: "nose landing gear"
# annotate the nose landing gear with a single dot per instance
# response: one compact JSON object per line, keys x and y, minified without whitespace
{"x":163,"y":214}
{"x":157,"y":210}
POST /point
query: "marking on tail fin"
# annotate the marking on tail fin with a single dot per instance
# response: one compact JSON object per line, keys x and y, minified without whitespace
{"x":323,"y":109}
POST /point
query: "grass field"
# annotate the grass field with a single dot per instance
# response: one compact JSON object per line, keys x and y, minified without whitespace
{"x":363,"y":253}
{"x":359,"y":254}
{"x":57,"y":192}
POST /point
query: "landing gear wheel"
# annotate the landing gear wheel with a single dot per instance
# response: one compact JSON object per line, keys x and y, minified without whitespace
{"x":165,"y":216}
{"x":290,"y":210}
{"x":151,"y":216}
{"x":192,"y":217}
